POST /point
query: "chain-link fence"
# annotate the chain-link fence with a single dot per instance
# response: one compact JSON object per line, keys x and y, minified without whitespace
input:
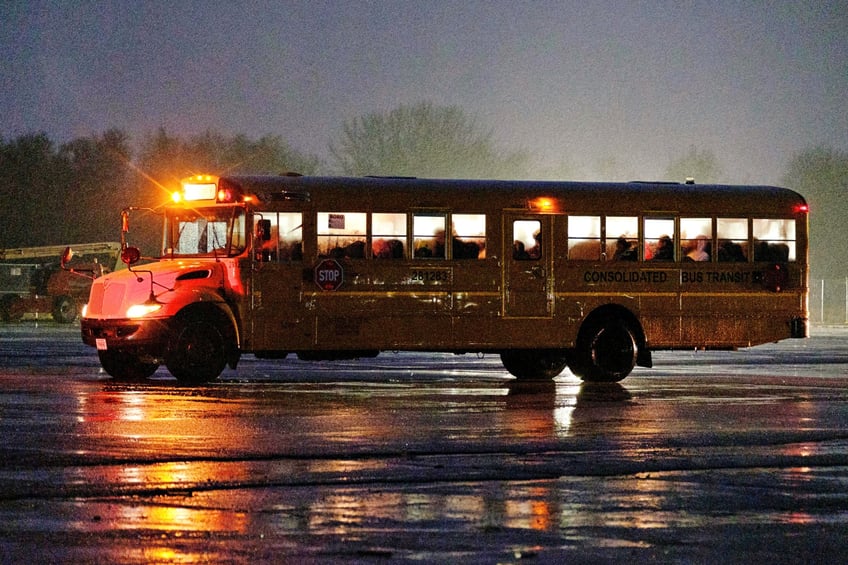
{"x":829,"y":301}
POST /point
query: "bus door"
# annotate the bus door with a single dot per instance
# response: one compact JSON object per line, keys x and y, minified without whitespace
{"x":528,"y":283}
{"x":280,"y":321}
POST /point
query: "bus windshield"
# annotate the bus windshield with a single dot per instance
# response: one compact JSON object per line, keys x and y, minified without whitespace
{"x":214,"y":231}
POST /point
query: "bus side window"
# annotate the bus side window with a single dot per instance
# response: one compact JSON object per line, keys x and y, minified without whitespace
{"x":428,"y":236}
{"x":584,"y":238}
{"x":290,"y":236}
{"x":774,"y":240}
{"x":526,"y":244}
{"x":732,"y":236}
{"x":388,"y":236}
{"x":696,"y":239}
{"x":622,"y":238}
{"x":341,"y":234}
{"x":469,"y":236}
{"x":659,"y":239}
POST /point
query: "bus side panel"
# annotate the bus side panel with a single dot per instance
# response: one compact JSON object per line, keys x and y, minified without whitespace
{"x":689,"y":305}
{"x":368,"y":320}
{"x":738,"y":319}
{"x":650,"y":292}
{"x":477,"y":305}
{"x":384,"y":305}
{"x":280,"y":320}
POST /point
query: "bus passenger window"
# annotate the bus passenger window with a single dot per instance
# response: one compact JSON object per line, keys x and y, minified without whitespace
{"x":428,"y":235}
{"x":388,"y":236}
{"x":341,"y":234}
{"x":774,"y":240}
{"x":696,"y":239}
{"x":622,"y":238}
{"x":469,"y":236}
{"x":584,"y":238}
{"x":732,"y":236}
{"x":659,"y":239}
{"x":290,"y":236}
{"x":526,"y":244}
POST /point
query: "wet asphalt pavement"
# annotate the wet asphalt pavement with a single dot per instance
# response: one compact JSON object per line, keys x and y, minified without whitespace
{"x":731,"y":456}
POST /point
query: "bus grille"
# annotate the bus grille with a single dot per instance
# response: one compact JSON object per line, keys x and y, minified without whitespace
{"x":111,"y":297}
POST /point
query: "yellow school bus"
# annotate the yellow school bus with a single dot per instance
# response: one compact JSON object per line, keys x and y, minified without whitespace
{"x":592,"y":276}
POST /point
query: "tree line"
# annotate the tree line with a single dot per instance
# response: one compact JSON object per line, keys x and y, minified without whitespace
{"x":73,"y":192}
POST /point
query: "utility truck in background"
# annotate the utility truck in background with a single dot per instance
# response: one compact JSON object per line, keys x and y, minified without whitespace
{"x":33,"y":281}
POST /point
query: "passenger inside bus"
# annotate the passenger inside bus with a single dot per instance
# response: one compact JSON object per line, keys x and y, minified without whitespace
{"x":775,"y":252}
{"x":624,"y":250}
{"x":535,"y":252}
{"x":664,"y":250}
{"x":699,"y":250}
{"x":353,"y":250}
{"x":730,"y":251}
{"x":387,"y":248}
{"x":519,"y":253}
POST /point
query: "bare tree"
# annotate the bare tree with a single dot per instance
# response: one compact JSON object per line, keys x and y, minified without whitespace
{"x":165,"y":159}
{"x":424,"y":140}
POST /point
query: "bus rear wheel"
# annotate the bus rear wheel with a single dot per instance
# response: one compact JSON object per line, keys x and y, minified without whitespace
{"x":530,"y":364}
{"x":606,"y":351}
{"x":197,"y":353}
{"x":125,"y":366}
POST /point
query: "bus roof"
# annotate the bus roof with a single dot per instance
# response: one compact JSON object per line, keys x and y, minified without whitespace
{"x":570,"y":196}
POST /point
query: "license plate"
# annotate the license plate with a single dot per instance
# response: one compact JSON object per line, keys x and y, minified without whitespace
{"x":100,"y":343}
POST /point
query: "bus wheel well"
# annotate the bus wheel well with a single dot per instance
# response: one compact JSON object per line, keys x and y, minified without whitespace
{"x":610,"y":342}
{"x":203,"y":341}
{"x":618,"y":312}
{"x":214,"y":314}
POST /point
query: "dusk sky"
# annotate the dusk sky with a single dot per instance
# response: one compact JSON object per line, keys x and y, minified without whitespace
{"x":578,"y":82}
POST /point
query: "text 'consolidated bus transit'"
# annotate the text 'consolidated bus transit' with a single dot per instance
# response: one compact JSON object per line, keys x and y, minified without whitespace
{"x":592,"y":276}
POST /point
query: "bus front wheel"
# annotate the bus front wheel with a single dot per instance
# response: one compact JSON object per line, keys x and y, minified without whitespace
{"x":606,"y":351}
{"x":197,"y":353}
{"x":530,"y":364}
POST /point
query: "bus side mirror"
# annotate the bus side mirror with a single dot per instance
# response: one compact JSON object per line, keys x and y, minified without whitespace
{"x":130,"y":255}
{"x":263,"y":230}
{"x":67,"y":255}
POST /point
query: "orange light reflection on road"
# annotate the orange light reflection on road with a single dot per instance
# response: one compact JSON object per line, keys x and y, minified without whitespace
{"x":171,"y":423}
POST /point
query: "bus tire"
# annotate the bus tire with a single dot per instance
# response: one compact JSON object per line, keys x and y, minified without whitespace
{"x":197,"y":352}
{"x":64,"y":309}
{"x":606,"y":351}
{"x":125,"y":366}
{"x":531,"y":364}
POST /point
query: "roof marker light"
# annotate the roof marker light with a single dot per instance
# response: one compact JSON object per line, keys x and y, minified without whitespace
{"x":543,"y":204}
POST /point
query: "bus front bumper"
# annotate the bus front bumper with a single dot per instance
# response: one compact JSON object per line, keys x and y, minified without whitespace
{"x":148,"y":336}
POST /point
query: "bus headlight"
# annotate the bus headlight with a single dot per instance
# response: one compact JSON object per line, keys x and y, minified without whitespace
{"x":139,"y":310}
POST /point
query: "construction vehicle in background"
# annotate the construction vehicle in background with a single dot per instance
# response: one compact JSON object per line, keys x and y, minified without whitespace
{"x":33,"y":281}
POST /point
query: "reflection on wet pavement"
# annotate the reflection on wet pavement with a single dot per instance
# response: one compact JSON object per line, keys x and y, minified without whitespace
{"x":413,"y":463}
